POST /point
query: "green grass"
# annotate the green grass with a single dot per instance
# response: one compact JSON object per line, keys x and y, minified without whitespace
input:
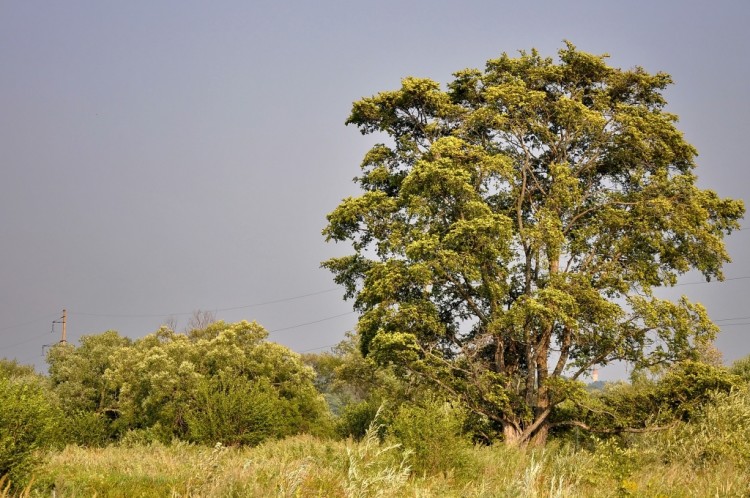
{"x":305,"y":466}
{"x":710,"y":456}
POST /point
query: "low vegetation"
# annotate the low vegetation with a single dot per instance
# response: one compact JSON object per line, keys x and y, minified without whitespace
{"x":683,"y":431}
{"x":309,"y":466}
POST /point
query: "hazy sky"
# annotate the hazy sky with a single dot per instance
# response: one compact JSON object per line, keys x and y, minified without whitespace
{"x":162,"y":157}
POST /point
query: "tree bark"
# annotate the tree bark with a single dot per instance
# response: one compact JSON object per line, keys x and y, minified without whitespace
{"x":539,"y":437}
{"x":512,"y":435}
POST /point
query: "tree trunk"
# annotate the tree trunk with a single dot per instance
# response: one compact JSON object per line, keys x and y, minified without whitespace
{"x":542,"y":405}
{"x":539,"y":437}
{"x":512,"y":435}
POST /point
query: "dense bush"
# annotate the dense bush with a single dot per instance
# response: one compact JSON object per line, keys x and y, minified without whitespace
{"x":690,"y":385}
{"x":645,"y":403}
{"x":235,"y":411}
{"x":28,"y":423}
{"x":222,"y":383}
{"x":741,"y":368}
{"x":433,"y":432}
{"x":355,"y":419}
{"x":11,"y":368}
{"x":718,"y":432}
{"x":77,"y":375}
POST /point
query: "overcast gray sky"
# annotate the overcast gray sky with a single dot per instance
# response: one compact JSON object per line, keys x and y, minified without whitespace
{"x":162,"y":157}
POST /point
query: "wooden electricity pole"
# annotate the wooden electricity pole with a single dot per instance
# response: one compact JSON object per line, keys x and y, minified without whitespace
{"x":64,"y":337}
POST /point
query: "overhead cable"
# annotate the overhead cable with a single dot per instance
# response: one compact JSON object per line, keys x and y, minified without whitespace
{"x":253,"y":305}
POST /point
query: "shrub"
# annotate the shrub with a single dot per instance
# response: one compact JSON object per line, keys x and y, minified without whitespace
{"x":235,"y":411}
{"x":690,"y":384}
{"x":11,"y":368}
{"x":28,"y":420}
{"x":355,"y":419}
{"x":741,"y":368}
{"x":432,"y":431}
{"x":718,"y":433}
{"x":222,"y":383}
{"x":87,"y":428}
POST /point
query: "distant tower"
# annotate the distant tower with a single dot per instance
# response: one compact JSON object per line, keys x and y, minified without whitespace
{"x":595,"y":375}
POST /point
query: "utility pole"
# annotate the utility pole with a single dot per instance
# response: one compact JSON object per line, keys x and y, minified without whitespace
{"x":63,"y":335}
{"x":64,"y":338}
{"x":64,"y":320}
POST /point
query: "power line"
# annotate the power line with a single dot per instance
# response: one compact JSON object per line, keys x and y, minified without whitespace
{"x":156,"y":315}
{"x":732,"y":319}
{"x":275,"y":301}
{"x":26,"y":341}
{"x":344,"y":314}
{"x":712,"y":281}
{"x":45,"y":318}
{"x":319,"y":348}
{"x":28,"y":359}
{"x":310,"y":323}
{"x":270,"y":331}
{"x":301,"y":296}
{"x":282,"y":300}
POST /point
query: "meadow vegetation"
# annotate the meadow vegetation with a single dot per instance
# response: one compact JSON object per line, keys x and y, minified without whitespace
{"x":378,"y":435}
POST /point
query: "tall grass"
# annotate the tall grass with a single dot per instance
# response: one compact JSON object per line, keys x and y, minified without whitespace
{"x":304,"y":466}
{"x":297,"y":466}
{"x":708,"y":457}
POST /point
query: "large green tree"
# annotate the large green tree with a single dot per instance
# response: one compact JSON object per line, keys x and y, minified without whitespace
{"x":513,"y":227}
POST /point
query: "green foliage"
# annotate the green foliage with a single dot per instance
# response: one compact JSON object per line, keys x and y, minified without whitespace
{"x":326,"y":380}
{"x":88,"y":428}
{"x":28,"y":424}
{"x":11,"y":368}
{"x":434,"y":432}
{"x":358,"y":389}
{"x":77,"y":375}
{"x":621,"y":405}
{"x":221,"y":383}
{"x":148,"y":436}
{"x":345,"y":376}
{"x":689,"y":386}
{"x":645,"y":404}
{"x":513,"y":227}
{"x":236,"y":411}
{"x":356,"y":418}
{"x":741,"y":368}
{"x":717,"y":433}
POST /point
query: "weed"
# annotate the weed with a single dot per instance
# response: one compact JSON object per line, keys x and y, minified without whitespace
{"x":375,"y":469}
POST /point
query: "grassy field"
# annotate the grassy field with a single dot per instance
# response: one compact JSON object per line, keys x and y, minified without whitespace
{"x":309,"y":467}
{"x":706,"y":457}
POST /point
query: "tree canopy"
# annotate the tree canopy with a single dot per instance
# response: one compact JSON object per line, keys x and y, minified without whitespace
{"x":513,"y":227}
